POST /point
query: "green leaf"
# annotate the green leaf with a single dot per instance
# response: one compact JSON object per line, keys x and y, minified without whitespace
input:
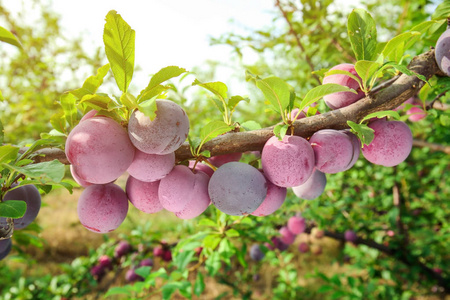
{"x":390,"y":50}
{"x":442,"y":11}
{"x":182,"y":259}
{"x":322,"y":90}
{"x":129,"y":101}
{"x":68,"y":103}
{"x":382,"y":114}
{"x":165,"y":74}
{"x":92,"y":83}
{"x":119,"y":290}
{"x":217,"y":88}
{"x":45,"y":172}
{"x":406,"y":71}
{"x":364,"y":132}
{"x":232,"y":233}
{"x":367,"y":70}
{"x":149,"y":107}
{"x":199,"y":285}
{"x":212,"y":263}
{"x":7,"y":37}
{"x":233,"y":101}
{"x":211,"y":241}
{"x":276,"y":91}
{"x":13,"y":209}
{"x":58,"y":121}
{"x":118,"y":38}
{"x":207,"y":222}
{"x":168,"y":289}
{"x":143,"y":271}
{"x":8,"y":153}
{"x":250,"y":125}
{"x":214,"y":129}
{"x":363,"y":34}
{"x":280,"y":130}
{"x":2,"y":133}
{"x":97,"y":101}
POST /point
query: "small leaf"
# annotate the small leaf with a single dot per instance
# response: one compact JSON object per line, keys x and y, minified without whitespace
{"x":165,"y":74}
{"x":211,"y":241}
{"x":7,"y":37}
{"x":232,"y":233}
{"x":58,"y":122}
{"x":442,"y":11}
{"x":276,"y":91}
{"x":280,"y":130}
{"x":97,"y":101}
{"x":364,"y":132}
{"x":250,"y":125}
{"x":217,"y":88}
{"x":207,"y":222}
{"x":8,"y":153}
{"x":363,"y":34}
{"x":182,"y":259}
{"x":322,"y":90}
{"x":366,"y":70}
{"x":118,"y":38}
{"x":129,"y":101}
{"x":214,"y":129}
{"x":143,"y":271}
{"x":149,"y":93}
{"x":119,"y":290}
{"x":68,"y":103}
{"x":382,"y":114}
{"x":233,"y":101}
{"x":199,"y":285}
{"x":406,"y":71}
{"x":212,"y":263}
{"x":13,"y":209}
{"x":149,"y":108}
{"x":92,"y":83}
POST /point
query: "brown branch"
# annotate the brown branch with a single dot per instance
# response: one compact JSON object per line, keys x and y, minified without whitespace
{"x":406,"y":258}
{"x":432,"y":146}
{"x":297,"y":39}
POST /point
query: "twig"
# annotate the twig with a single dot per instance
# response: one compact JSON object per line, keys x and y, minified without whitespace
{"x":297,"y":39}
{"x":432,"y":146}
{"x":432,"y":104}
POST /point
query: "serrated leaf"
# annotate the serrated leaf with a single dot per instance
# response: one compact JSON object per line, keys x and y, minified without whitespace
{"x":7,"y":37}
{"x":12,"y":209}
{"x":363,"y":34}
{"x":199,"y":285}
{"x":364,"y":132}
{"x":149,"y":107}
{"x":322,"y":90}
{"x":92,"y":83}
{"x":367,"y":70}
{"x":393,"y":44}
{"x":214,"y":129}
{"x":45,"y":172}
{"x":8,"y":153}
{"x":382,"y":114}
{"x":119,"y":39}
{"x":442,"y":11}
{"x":234,"y":100}
{"x":251,"y":125}
{"x":276,"y":91}
{"x":165,"y":74}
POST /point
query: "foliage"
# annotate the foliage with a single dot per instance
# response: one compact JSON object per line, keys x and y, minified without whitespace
{"x":400,"y":214}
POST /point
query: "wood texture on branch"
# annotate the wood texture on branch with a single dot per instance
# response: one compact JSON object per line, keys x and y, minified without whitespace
{"x":389,"y":98}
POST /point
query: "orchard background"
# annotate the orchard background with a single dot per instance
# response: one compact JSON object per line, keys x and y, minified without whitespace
{"x":375,"y":232}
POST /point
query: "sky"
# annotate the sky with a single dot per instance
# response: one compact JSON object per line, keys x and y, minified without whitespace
{"x":171,"y":32}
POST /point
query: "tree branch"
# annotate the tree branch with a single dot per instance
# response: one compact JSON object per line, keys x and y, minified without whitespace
{"x":432,"y":146}
{"x":389,"y":98}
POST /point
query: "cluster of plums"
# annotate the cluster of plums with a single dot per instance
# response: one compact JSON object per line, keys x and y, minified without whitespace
{"x":100,"y":150}
{"x":31,"y":196}
{"x":287,"y":234}
{"x":139,"y":258}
